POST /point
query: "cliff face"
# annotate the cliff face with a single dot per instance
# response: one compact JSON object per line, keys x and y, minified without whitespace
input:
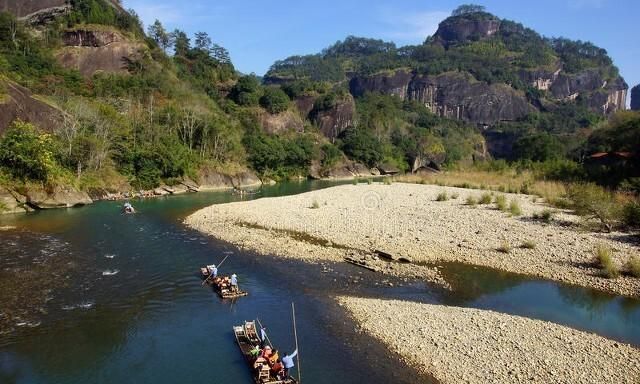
{"x":453,"y":95}
{"x":464,"y":28}
{"x":42,"y":11}
{"x":635,"y":98}
{"x":19,"y":104}
{"x":335,"y":120}
{"x":91,"y":50}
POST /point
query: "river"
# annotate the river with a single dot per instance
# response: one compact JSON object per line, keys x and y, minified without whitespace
{"x":91,"y":295}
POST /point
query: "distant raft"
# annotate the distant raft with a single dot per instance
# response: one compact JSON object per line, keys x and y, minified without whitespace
{"x":247,"y":339}
{"x":222,"y":285}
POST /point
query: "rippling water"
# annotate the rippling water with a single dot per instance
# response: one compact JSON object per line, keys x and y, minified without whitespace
{"x":90,"y":295}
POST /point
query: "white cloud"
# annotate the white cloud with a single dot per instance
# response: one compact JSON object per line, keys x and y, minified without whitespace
{"x":412,"y":26}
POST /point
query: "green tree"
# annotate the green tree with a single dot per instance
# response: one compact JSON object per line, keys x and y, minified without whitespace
{"x":361,"y":145}
{"x":467,"y":8}
{"x":538,"y":147}
{"x":27,"y":154}
{"x":160,"y":35}
{"x":246,"y":92}
{"x":181,"y":43}
{"x":274,"y":100}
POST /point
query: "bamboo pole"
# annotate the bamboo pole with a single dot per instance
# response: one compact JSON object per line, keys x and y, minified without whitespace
{"x":208,"y":277}
{"x":295,"y":334}
{"x":265,"y":333}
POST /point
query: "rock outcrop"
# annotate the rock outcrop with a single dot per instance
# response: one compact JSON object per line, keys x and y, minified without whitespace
{"x":11,"y":202}
{"x":635,"y":98}
{"x":455,"y":95}
{"x":464,"y":28}
{"x":59,"y":197}
{"x":210,"y":179}
{"x":89,"y":50}
{"x":282,"y":122}
{"x":42,"y":11}
{"x":18,"y":102}
{"x":336,"y":119}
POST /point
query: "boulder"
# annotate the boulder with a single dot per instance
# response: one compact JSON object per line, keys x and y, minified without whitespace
{"x":387,"y":169}
{"x":160,"y":192}
{"x":246,"y":179}
{"x":210,"y":179}
{"x":191,"y":185}
{"x":59,"y":197}
{"x":359,"y":170}
{"x":9,"y":203}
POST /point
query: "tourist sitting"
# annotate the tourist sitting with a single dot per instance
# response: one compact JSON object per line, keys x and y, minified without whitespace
{"x":273,"y":358}
{"x":278,"y":369}
{"x":266,"y":352}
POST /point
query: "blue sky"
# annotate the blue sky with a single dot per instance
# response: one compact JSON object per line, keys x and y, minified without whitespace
{"x":259,"y":32}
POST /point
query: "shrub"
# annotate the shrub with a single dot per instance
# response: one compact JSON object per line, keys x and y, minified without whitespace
{"x":631,"y":214}
{"x":633,"y":266}
{"x":274,"y":100}
{"x":528,"y":244}
{"x":472,"y":201}
{"x":545,"y":216}
{"x":594,"y":202}
{"x":485,"y":198}
{"x":501,"y":202}
{"x":604,"y":259}
{"x":28,"y":154}
{"x":442,"y":196}
{"x":355,"y":181}
{"x":504,"y":247}
{"x":387,"y":181}
{"x":369,"y":181}
{"x":514,"y":208}
{"x":315,"y":205}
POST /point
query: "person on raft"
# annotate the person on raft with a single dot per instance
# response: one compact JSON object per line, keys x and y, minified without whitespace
{"x":128,"y":207}
{"x":213,"y":270}
{"x":287,"y":361}
{"x":234,"y":283}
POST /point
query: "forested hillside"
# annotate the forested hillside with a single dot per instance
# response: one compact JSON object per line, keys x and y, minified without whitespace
{"x":91,"y":100}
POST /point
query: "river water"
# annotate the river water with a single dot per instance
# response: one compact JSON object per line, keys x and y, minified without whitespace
{"x":91,"y":295}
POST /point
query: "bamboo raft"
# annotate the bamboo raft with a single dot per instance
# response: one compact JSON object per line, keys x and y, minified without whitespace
{"x":222,"y":285}
{"x":247,"y":337}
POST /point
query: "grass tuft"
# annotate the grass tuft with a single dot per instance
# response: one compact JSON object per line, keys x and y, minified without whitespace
{"x":604,"y":259}
{"x":504,"y":247}
{"x":455,"y":195}
{"x":501,"y":202}
{"x":528,"y":244}
{"x":442,"y":196}
{"x":485,"y":198}
{"x":633,"y":266}
{"x":544,"y":216}
{"x":387,"y":181}
{"x":514,"y":208}
{"x":471,"y":201}
{"x":315,"y":205}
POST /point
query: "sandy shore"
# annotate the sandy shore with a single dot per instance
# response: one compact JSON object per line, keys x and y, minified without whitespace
{"x":406,"y":220}
{"x":460,"y":345}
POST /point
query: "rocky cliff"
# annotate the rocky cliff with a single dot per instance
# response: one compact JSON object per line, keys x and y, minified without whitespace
{"x":91,"y":49}
{"x":42,"y":11}
{"x":635,"y":98}
{"x":454,"y":95}
{"x":464,"y":28}
{"x":336,"y":119}
{"x":18,"y":103}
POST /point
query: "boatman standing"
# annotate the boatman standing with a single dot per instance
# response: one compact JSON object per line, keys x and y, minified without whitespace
{"x":234,"y":282}
{"x":213,"y":270}
{"x":287,"y":361}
